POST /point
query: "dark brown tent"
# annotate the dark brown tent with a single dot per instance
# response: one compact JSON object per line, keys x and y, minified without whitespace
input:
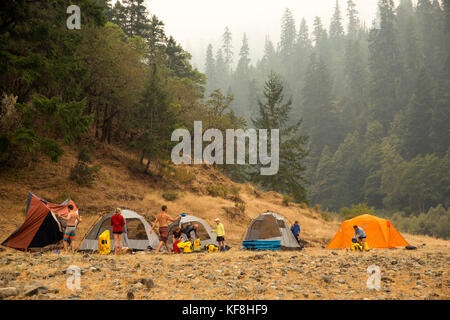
{"x":42,"y":226}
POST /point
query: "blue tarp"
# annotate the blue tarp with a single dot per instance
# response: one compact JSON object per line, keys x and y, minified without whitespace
{"x":261,"y":245}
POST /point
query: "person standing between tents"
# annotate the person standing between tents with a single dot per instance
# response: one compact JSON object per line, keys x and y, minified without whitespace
{"x":162,"y":219}
{"x":220,"y":232}
{"x":176,"y":238}
{"x":188,"y":231}
{"x":69,"y":233}
{"x":295,"y":229}
{"x":360,"y":236}
{"x":117,"y":222}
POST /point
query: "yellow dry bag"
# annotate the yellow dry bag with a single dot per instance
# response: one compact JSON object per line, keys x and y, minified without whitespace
{"x":186,"y":246}
{"x":104,"y":243}
{"x":197,"y":245}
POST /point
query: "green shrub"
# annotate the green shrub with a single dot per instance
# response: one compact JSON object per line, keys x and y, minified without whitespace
{"x":356,"y":210}
{"x":327,"y":216}
{"x":304,"y":205}
{"x":217,"y":190}
{"x":184,"y":176}
{"x":234,"y":190}
{"x":51,"y":148}
{"x":85,"y":155}
{"x":170,"y":196}
{"x":241,"y":206}
{"x":286,"y":200}
{"x":83,"y":174}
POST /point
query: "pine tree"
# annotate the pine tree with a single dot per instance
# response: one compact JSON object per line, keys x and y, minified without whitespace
{"x":336,"y":28}
{"x":155,"y":120}
{"x":318,"y":109}
{"x":353,"y":20}
{"x":440,"y":125}
{"x":242,"y":80}
{"x":137,"y":18}
{"x":156,"y":40}
{"x":221,"y":71}
{"x":417,"y":119}
{"x":227,"y":49}
{"x":274,"y":113}
{"x":385,"y":66}
{"x":288,"y":36}
{"x":210,"y":70}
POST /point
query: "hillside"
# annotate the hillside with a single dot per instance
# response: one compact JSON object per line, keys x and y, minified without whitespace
{"x":314,"y":273}
{"x":119,"y":185}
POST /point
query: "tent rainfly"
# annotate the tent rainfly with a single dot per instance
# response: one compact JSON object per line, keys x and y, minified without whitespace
{"x":136,"y":233}
{"x":380,"y":233}
{"x":42,"y":227}
{"x":269,"y":231}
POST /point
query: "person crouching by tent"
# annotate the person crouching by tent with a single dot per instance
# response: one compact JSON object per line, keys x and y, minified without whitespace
{"x":163,"y":219}
{"x":295,"y":229}
{"x":117,"y":222}
{"x":69,"y":233}
{"x":360,"y":236}
{"x":176,"y":238}
{"x":220,"y":232}
{"x":188,"y":231}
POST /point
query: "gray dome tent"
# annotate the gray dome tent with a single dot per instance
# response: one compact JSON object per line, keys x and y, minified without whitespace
{"x":136,"y":233}
{"x":204,"y":231}
{"x":269,"y":231}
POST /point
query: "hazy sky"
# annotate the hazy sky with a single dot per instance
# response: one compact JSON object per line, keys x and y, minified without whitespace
{"x":196,"y":23}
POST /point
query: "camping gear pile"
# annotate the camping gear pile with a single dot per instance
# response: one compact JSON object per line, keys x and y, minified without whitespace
{"x":356,"y":246}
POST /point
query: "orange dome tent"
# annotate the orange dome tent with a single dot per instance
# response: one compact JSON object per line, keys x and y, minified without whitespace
{"x":380,"y":233}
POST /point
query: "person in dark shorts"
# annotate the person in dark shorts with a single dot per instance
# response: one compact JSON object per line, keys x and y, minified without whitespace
{"x":163,"y":219}
{"x":117,"y":222}
{"x":360,"y":236}
{"x":176,"y":238}
{"x":188,"y":231}
{"x":72,"y":219}
{"x":220,"y":232}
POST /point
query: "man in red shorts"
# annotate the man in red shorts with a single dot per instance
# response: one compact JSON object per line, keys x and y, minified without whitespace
{"x":162,"y":219}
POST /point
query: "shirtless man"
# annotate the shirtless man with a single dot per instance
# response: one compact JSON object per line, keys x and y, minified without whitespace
{"x":162,"y":219}
{"x":69,"y":232}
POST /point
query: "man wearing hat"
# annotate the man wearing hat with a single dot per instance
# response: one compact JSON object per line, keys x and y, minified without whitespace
{"x":220,"y":232}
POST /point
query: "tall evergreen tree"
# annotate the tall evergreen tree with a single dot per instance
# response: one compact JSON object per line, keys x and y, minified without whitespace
{"x":353,"y":20}
{"x":242,"y":81}
{"x":385,"y":65}
{"x":155,"y":119}
{"x":227,"y":49}
{"x":274,"y":113}
{"x":288,"y":36}
{"x":210,"y":70}
{"x":336,"y":27}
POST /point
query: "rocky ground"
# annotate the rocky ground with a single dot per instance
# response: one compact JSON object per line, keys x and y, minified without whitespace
{"x":312,"y":273}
